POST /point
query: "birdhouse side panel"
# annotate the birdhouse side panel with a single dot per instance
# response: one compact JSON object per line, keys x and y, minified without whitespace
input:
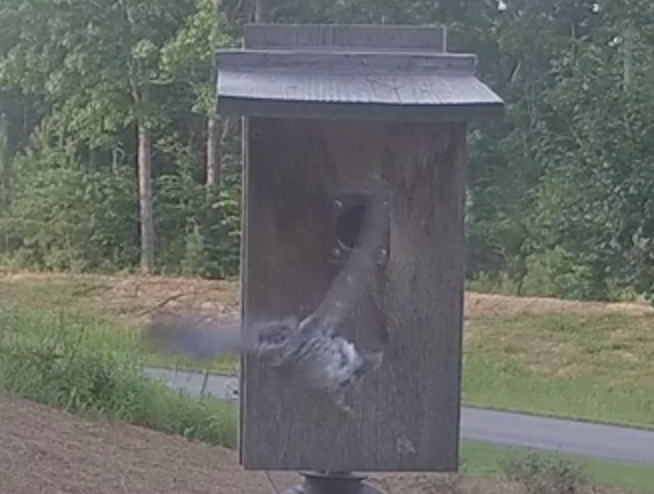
{"x":405,"y":417}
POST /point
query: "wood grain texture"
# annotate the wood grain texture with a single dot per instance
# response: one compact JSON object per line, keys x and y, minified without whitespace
{"x":407,"y":415}
{"x":350,"y":37}
{"x":357,"y":63}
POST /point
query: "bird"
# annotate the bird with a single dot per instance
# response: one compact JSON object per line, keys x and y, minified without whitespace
{"x":309,"y":351}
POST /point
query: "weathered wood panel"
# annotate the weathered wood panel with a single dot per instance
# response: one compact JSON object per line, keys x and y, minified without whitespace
{"x":326,"y":62}
{"x":350,"y":37}
{"x":407,"y":415}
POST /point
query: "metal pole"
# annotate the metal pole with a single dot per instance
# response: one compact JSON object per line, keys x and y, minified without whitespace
{"x":332,"y":483}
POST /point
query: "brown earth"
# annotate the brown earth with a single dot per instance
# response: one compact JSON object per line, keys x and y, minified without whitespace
{"x":47,"y":451}
{"x":133,"y":297}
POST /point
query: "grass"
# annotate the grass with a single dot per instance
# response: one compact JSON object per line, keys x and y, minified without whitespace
{"x":223,"y":365}
{"x":484,"y":460}
{"x":591,"y":365}
{"x":85,"y":365}
{"x":53,"y":294}
{"x":586,"y":366}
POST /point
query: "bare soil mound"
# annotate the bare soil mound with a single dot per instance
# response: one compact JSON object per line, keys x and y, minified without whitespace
{"x":45,"y":450}
{"x":480,"y":305}
{"x":133,"y":297}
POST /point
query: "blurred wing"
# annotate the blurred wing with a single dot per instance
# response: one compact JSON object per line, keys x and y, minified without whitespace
{"x":194,"y":335}
{"x":205,"y":337}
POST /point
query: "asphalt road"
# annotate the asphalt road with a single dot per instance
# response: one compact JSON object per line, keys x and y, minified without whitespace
{"x":603,"y":442}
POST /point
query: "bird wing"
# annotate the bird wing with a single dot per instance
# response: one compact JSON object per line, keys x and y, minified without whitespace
{"x":195,"y":335}
{"x":207,"y":337}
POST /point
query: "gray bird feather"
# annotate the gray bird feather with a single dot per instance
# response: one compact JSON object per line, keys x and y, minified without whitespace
{"x":309,"y":351}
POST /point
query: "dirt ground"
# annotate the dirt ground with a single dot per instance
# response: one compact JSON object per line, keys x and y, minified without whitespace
{"x":134,"y":297}
{"x":47,"y":451}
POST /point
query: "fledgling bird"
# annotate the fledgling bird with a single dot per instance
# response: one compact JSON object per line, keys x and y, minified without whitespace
{"x":310,"y":351}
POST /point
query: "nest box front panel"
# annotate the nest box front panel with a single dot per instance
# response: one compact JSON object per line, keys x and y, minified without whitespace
{"x":304,"y":183}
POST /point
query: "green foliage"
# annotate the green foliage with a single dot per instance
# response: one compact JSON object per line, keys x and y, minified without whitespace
{"x":556,"y":273}
{"x":559,"y":192}
{"x":66,"y":217}
{"x":539,"y":473}
{"x":210,"y":225}
{"x":6,"y":182}
{"x":92,"y":71}
{"x":190,"y":55}
{"x":87,"y":366}
{"x":560,"y":198}
{"x":487,"y":460}
{"x":198,"y":227}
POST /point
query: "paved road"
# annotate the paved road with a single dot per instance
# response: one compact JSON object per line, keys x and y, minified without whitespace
{"x":603,"y":442}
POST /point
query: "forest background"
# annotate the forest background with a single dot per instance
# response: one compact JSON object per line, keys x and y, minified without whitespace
{"x":103,"y":99}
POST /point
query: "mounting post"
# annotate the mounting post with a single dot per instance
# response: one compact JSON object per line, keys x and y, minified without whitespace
{"x":333,"y":483}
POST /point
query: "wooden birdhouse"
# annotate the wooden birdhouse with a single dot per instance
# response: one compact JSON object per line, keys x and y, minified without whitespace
{"x":325,"y":108}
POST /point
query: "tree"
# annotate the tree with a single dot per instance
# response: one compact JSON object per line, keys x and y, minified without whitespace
{"x":98,"y":65}
{"x":190,"y":58}
{"x":559,"y":192}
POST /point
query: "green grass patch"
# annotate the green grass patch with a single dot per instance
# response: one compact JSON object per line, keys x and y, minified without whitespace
{"x":485,"y":460}
{"x":590,"y":367}
{"x":587,"y":366}
{"x":53,"y":294}
{"x":593,"y":366}
{"x":507,"y":386}
{"x":85,"y":365}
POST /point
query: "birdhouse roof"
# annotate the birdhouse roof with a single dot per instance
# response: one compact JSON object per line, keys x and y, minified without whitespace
{"x":362,"y":72}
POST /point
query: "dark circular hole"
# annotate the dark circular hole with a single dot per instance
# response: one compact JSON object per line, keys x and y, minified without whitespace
{"x":349,"y":224}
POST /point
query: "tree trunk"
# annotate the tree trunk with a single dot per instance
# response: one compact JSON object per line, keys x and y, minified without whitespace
{"x":145,"y":197}
{"x":213,"y":151}
{"x":214,"y":167}
{"x":5,"y":183}
{"x":261,"y":11}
